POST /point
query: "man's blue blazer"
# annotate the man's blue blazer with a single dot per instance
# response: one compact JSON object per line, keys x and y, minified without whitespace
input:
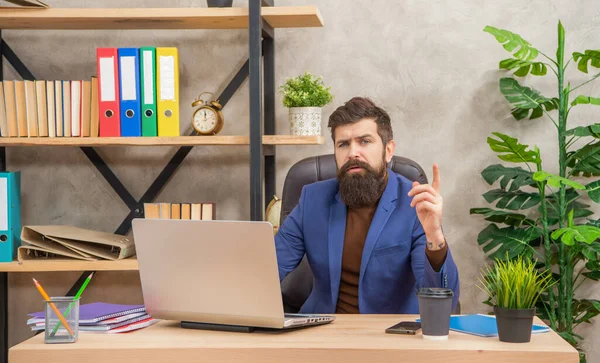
{"x":393,"y":266}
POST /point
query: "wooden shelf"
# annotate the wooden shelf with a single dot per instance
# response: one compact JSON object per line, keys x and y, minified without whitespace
{"x":156,"y":18}
{"x":159,"y":141}
{"x":128,"y":264}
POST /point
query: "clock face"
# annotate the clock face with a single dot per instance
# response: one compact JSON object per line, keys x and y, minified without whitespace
{"x":205,"y":120}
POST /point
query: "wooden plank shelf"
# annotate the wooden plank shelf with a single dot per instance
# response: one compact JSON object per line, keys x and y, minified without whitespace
{"x":156,"y":18}
{"x":47,"y":265}
{"x":159,"y":141}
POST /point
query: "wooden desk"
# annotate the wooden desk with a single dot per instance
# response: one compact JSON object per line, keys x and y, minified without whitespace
{"x":351,"y":338}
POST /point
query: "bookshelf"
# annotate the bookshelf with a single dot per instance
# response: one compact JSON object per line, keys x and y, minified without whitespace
{"x":159,"y":141}
{"x":261,"y":17}
{"x":157,"y":18}
{"x":128,"y":264}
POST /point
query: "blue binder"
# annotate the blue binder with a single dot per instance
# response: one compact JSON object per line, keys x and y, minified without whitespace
{"x":10,"y":215}
{"x":483,"y":325}
{"x":129,"y":83}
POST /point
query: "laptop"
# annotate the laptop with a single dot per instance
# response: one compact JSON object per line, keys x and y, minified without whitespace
{"x":216,"y":274}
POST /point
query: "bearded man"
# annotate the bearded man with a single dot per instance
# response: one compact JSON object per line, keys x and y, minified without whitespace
{"x":371,"y":236}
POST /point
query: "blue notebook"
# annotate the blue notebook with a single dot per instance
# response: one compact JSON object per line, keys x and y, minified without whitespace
{"x":483,"y":325}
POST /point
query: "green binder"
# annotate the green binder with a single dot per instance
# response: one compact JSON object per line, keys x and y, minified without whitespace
{"x":148,"y":90}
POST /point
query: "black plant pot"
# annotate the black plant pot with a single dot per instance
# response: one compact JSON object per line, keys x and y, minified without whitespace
{"x":514,"y":325}
{"x":219,"y":3}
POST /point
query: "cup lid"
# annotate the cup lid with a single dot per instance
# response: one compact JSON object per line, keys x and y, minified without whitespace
{"x":435,"y":292}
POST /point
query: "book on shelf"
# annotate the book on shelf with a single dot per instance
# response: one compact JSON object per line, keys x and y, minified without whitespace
{"x":194,"y":211}
{"x":48,"y":108}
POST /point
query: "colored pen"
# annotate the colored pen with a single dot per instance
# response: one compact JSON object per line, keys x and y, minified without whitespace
{"x":77,"y":296}
{"x":56,"y":311}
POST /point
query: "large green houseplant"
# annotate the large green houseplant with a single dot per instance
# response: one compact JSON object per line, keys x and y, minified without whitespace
{"x":537,"y":213}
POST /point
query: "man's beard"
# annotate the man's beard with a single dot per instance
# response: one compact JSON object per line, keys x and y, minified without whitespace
{"x":363,"y":188}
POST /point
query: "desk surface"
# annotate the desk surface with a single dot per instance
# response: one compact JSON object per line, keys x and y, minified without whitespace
{"x":351,"y":338}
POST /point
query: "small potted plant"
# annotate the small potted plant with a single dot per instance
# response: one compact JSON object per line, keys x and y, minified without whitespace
{"x":513,"y":287}
{"x":305,"y":95}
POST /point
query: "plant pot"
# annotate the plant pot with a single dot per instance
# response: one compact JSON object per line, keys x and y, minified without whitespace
{"x":514,"y":325}
{"x":305,"y":121}
{"x":219,"y":3}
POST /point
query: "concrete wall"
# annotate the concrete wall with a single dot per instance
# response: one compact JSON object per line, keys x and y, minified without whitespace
{"x":428,"y":63}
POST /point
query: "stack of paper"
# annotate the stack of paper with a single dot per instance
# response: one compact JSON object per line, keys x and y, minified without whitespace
{"x":103,"y":317}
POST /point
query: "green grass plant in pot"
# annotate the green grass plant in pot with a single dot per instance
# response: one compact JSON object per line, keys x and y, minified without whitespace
{"x":514,"y":287}
{"x":305,"y":95}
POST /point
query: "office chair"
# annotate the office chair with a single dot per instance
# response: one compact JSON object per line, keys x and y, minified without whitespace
{"x":297,"y":285}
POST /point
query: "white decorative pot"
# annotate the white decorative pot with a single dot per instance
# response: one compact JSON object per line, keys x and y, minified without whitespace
{"x":305,"y":121}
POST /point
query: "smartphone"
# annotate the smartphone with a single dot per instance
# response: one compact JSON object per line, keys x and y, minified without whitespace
{"x":404,"y":327}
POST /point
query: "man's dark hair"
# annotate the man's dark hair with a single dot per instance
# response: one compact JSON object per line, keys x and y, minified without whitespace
{"x":355,"y":110}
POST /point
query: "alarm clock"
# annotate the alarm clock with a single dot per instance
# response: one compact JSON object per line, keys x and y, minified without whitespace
{"x":208,"y":118}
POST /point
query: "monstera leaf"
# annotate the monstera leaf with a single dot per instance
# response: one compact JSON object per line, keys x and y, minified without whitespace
{"x":521,"y":96}
{"x":498,"y":216}
{"x":517,"y":176}
{"x":593,"y":190}
{"x":511,"y":41}
{"x":583,"y":233}
{"x":524,"y":67}
{"x":585,"y":100}
{"x":521,"y":113}
{"x":512,"y":200}
{"x":579,"y":210}
{"x":582,"y":131}
{"x":507,"y":242}
{"x":555,"y":180}
{"x":509,"y":149}
{"x":585,"y":310}
{"x":585,"y":161}
{"x":589,"y":56}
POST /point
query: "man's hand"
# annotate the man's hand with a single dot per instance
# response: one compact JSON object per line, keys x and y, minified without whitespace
{"x":428,"y":202}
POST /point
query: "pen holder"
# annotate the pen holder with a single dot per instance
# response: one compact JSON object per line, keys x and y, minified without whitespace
{"x":55,"y":329}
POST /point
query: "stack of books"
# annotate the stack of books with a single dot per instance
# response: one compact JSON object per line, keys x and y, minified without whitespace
{"x":49,"y":108}
{"x":103,"y":318}
{"x":195,"y":211}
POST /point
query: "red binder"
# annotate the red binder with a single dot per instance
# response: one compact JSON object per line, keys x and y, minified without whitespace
{"x":108,"y":92}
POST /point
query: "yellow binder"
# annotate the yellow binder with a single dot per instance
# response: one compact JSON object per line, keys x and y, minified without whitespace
{"x":167,"y":91}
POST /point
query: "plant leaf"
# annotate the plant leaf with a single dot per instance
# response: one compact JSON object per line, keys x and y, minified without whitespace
{"x":593,"y":190}
{"x":517,"y":176}
{"x":521,"y":96}
{"x":589,"y":56}
{"x":511,"y":41}
{"x":591,"y":130}
{"x":508,"y":242}
{"x":524,"y":67}
{"x":512,"y":200}
{"x":555,"y":180}
{"x":582,"y":233}
{"x":521,"y":113}
{"x":590,"y":308}
{"x":585,"y":161}
{"x":593,"y":264}
{"x":579,"y":209}
{"x":498,"y":216}
{"x":592,"y":275}
{"x":585,"y":100}
{"x":509,"y":149}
